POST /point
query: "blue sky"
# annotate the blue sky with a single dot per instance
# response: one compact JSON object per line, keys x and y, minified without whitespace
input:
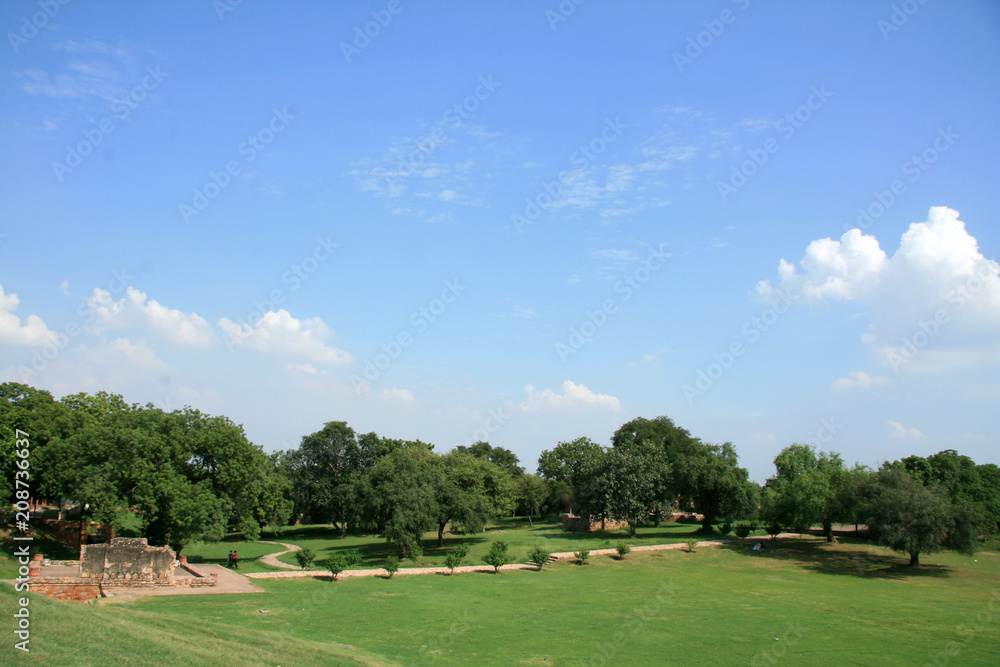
{"x":512,"y":221}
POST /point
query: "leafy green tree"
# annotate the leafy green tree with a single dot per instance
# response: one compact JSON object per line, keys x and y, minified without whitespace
{"x":391,"y":565}
{"x":451,"y":561}
{"x":582,"y":555}
{"x":504,"y":458}
{"x":531,"y":491}
{"x":632,"y":481}
{"x":742,"y":530}
{"x":690,"y":544}
{"x":538,"y":556}
{"x":336,"y":564}
{"x":912,"y":518}
{"x":809,"y":488}
{"x":305,"y":557}
{"x":570,"y":466}
{"x":497,"y":556}
{"x":623,"y":549}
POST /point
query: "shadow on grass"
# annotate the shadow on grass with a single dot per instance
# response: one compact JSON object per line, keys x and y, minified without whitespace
{"x":853,"y":558}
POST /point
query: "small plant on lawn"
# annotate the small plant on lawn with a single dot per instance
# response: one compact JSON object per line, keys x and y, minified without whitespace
{"x":414,"y":552}
{"x":352,"y":557}
{"x":462,"y":550}
{"x":773,"y":530}
{"x":582,"y":556}
{"x":538,"y":556}
{"x":623,"y":548}
{"x":451,"y":561}
{"x":497,"y":556}
{"x":690,"y":544}
{"x":305,"y":557}
{"x":742,"y":530}
{"x":336,"y":563}
{"x":725,"y":528}
{"x":392,"y":565}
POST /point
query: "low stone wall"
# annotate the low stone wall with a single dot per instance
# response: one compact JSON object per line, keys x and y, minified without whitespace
{"x":68,"y":590}
{"x":126,"y":558}
{"x":585,"y":524}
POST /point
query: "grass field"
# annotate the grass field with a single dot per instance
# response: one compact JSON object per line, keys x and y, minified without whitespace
{"x":802,"y":602}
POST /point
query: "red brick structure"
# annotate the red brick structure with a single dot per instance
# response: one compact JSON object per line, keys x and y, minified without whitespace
{"x":586,"y":524}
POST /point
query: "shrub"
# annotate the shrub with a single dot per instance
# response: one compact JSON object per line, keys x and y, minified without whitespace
{"x":336,"y":563}
{"x":352,"y":557}
{"x":497,"y":556}
{"x":690,"y":544}
{"x":451,"y":561}
{"x":773,"y":530}
{"x":582,"y":556}
{"x":462,"y":550}
{"x":392,"y":565}
{"x":742,"y":530}
{"x":414,"y":552}
{"x":538,"y":556}
{"x":305,"y":557}
{"x":622,"y":548}
{"x":725,"y":528}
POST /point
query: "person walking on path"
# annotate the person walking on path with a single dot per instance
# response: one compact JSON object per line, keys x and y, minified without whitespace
{"x":236,"y":560}
{"x":230,"y":564}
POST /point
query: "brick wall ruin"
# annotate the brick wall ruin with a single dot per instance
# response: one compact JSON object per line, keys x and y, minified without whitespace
{"x":129,"y":558}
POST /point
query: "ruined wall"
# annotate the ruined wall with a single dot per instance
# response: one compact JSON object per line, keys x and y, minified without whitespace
{"x":126,"y":558}
{"x":585,"y":524}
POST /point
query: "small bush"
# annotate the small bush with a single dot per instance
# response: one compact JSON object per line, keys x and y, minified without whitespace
{"x":462,"y":550}
{"x":451,"y":561}
{"x":497,"y":556}
{"x":352,"y":557}
{"x":773,"y":530}
{"x":742,"y":530}
{"x":392,"y":565}
{"x":623,"y":548}
{"x":414,"y":552}
{"x":582,"y":556}
{"x":690,"y":544}
{"x":305,"y":557}
{"x":538,"y":556}
{"x":336,"y":563}
{"x":725,"y":528}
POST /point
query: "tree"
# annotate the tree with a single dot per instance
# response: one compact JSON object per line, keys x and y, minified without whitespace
{"x":305,"y":557}
{"x":911,"y":518}
{"x":568,"y":467}
{"x":336,"y":564}
{"x":391,"y":565}
{"x":325,"y":469}
{"x":497,"y":556}
{"x":531,"y":492}
{"x":399,"y":495}
{"x":632,"y":481}
{"x":538,"y":556}
{"x":504,"y":458}
{"x":809,"y":488}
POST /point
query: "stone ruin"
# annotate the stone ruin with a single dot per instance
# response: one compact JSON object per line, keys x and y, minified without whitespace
{"x":128,"y":558}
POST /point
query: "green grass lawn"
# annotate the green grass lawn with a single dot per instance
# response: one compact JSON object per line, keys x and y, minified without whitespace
{"x":324,"y":540}
{"x":802,"y":602}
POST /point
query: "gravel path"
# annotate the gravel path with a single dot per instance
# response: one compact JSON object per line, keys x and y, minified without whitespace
{"x":378,"y":572}
{"x":272,"y":559}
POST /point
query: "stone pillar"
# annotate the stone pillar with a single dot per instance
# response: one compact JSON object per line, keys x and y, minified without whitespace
{"x":35,"y":567}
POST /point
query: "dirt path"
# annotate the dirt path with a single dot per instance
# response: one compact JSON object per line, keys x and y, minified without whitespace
{"x":378,"y":572}
{"x":272,"y":559}
{"x":229,"y":582}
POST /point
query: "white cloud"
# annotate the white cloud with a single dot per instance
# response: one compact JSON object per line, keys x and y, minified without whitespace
{"x":280,"y":334}
{"x":937,"y":282}
{"x":135,"y":309}
{"x":32,"y":332}
{"x":897,"y":430}
{"x":576,"y":397}
{"x":860,"y":380}
{"x":396,"y":395}
{"x":137,"y":355}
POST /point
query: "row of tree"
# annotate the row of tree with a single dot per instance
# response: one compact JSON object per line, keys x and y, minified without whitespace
{"x":186,"y":475}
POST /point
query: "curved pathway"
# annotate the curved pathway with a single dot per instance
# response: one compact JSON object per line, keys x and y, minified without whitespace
{"x":379,"y":572}
{"x":272,"y":559}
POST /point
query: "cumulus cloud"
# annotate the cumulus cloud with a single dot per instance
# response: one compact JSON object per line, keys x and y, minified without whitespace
{"x":136,"y":309}
{"x":396,"y":395}
{"x":32,"y":332}
{"x":897,"y":430}
{"x":937,"y":282}
{"x":576,"y":397}
{"x":860,"y":380}
{"x":135,"y":355}
{"x":278,"y":333}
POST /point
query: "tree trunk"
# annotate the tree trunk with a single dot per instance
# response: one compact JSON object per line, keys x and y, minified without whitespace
{"x":828,"y":530}
{"x":914,"y":558}
{"x":631,"y":529}
{"x":530,"y":522}
{"x":656,"y":518}
{"x":441,"y":527}
{"x":706,"y":522}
